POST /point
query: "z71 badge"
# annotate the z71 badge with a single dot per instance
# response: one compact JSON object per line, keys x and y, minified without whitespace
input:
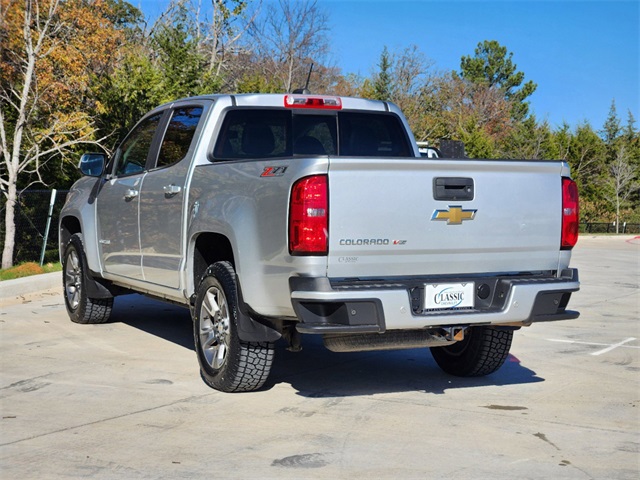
{"x":273,"y":171}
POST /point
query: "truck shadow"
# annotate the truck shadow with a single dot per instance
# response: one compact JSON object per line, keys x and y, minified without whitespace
{"x":317,"y":372}
{"x":164,"y":320}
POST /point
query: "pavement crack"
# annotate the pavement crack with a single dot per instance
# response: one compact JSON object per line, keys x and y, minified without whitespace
{"x":108,"y":419}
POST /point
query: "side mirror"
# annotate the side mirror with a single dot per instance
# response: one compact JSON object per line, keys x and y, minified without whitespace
{"x":92,"y":164}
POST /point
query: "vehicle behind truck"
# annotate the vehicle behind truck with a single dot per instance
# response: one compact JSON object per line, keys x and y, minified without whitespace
{"x":274,"y":216}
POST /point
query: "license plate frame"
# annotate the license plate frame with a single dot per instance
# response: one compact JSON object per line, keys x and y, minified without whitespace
{"x":449,"y":296}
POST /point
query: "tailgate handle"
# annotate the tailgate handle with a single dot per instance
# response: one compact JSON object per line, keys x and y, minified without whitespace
{"x":453,"y":188}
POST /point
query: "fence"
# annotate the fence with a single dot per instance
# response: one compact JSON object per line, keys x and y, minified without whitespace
{"x":609,"y":227}
{"x":31,"y":214}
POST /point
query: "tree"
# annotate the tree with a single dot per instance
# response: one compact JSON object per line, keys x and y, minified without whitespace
{"x":493,"y":66}
{"x":621,"y":169}
{"x":472,"y":112}
{"x":182,"y":68}
{"x":210,"y":32}
{"x":48,"y":50}
{"x":611,"y":128}
{"x":586,"y":158}
{"x":191,"y":49}
{"x":382,"y":82}
{"x":622,"y":183}
{"x":287,"y":38}
{"x":631,"y":139}
{"x":561,"y":139}
{"x":221,"y":37}
{"x":124,"y":17}
{"x":530,"y":139}
{"x":132,"y":89}
{"x":403,"y":77}
{"x":629,"y":130}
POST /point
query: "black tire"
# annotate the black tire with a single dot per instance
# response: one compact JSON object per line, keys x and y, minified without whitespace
{"x":227,"y":363}
{"x":80,"y":307}
{"x":482,"y":352}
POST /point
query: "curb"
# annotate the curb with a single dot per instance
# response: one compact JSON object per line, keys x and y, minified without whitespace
{"x":26,"y":285}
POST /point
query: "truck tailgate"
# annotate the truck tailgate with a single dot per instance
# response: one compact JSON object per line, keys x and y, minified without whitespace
{"x":385,"y":220}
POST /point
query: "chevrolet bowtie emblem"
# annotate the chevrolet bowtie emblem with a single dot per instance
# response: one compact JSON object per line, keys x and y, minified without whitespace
{"x":454,"y":215}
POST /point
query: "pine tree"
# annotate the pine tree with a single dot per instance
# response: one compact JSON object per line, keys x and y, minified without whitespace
{"x":611,"y":128}
{"x":493,"y":65}
{"x":382,"y":85}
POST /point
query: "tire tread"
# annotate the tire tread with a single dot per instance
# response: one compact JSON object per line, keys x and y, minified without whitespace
{"x":90,"y":310}
{"x":482,"y":352}
{"x":249,"y":364}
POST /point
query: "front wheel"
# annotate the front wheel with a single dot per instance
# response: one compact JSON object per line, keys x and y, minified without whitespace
{"x":80,"y":307}
{"x":226,"y":362}
{"x":482,"y":352}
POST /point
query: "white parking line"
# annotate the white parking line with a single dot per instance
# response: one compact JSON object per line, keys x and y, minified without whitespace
{"x":609,"y":346}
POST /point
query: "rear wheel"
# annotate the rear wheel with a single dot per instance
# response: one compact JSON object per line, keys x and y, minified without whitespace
{"x":226,"y":362}
{"x":80,"y":307}
{"x":482,"y":352}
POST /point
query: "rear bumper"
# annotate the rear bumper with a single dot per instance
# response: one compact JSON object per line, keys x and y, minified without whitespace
{"x":367,"y":306}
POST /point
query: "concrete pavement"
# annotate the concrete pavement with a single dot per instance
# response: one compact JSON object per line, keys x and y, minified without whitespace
{"x":124,"y":399}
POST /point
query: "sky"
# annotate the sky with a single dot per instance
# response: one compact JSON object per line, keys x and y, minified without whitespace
{"x":582,"y":54}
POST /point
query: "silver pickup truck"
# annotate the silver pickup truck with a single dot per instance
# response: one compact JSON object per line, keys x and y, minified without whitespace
{"x":272,"y":216}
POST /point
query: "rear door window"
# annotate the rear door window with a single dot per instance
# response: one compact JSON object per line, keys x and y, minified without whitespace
{"x":179,"y":135}
{"x":131,"y":156}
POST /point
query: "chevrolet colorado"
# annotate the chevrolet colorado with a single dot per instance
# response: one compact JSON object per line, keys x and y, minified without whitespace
{"x":272,"y":216}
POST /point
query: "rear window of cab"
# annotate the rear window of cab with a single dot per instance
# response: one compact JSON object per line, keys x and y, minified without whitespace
{"x":270,"y":133}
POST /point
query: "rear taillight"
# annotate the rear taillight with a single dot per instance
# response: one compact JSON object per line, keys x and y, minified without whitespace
{"x":570,"y":214}
{"x":309,"y":216}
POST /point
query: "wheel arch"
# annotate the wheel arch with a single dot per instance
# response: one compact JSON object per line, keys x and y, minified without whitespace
{"x":69,"y":225}
{"x":207,"y":248}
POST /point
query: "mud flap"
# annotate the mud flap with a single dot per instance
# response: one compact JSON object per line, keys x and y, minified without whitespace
{"x":251,"y":330}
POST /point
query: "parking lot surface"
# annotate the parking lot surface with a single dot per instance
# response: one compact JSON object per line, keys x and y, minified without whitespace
{"x":124,"y":400}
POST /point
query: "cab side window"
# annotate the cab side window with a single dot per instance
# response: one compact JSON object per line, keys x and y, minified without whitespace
{"x":132,"y":154}
{"x":254,"y":134}
{"x":179,"y":135}
{"x":372,"y":135}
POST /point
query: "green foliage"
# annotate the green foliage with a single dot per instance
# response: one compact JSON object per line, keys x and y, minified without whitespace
{"x":124,"y":16}
{"x":382,"y":84}
{"x":477,"y":142}
{"x":611,"y":128}
{"x":629,"y":131}
{"x":493,"y":66}
{"x":127,"y":94}
{"x":530,"y":140}
{"x":182,"y":67}
{"x":254,"y":83}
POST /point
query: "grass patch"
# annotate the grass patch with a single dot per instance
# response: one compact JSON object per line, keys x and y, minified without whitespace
{"x":28,"y":269}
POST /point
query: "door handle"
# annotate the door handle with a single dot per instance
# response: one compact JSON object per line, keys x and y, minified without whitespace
{"x":453,"y":188}
{"x":171,"y":190}
{"x":130,"y":194}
